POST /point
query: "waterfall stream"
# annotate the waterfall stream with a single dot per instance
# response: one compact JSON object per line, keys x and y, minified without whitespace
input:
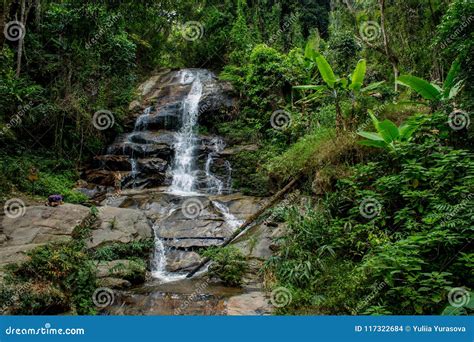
{"x":184,"y":168}
{"x":184,"y":172}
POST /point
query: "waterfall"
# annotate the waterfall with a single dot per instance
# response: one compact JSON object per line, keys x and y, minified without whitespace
{"x":214,"y":184}
{"x":183,"y":171}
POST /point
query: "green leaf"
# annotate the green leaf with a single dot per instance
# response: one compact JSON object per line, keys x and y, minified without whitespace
{"x":422,"y":87}
{"x":310,"y":87}
{"x":372,"y":86}
{"x":310,"y":51}
{"x":453,"y":311}
{"x":455,"y":90}
{"x":452,"y":74}
{"x":389,"y":131}
{"x":375,"y":121}
{"x":358,"y":75}
{"x":370,"y":135}
{"x":407,"y":130}
{"x":325,"y":70}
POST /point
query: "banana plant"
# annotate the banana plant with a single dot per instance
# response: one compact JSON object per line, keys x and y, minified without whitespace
{"x":388,"y":134}
{"x":335,"y":86}
{"x":432,"y":92}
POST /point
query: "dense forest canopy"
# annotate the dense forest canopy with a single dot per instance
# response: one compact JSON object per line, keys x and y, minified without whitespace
{"x":357,"y":99}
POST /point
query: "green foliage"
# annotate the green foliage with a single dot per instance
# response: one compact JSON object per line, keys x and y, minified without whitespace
{"x":299,"y":156}
{"x":388,"y":134}
{"x":404,"y":258}
{"x":55,"y":176}
{"x":57,"y":277}
{"x":135,"y":249}
{"x":433,"y":92}
{"x":229,"y":264}
{"x":337,"y":88}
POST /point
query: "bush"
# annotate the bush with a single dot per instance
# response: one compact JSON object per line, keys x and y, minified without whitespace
{"x":63,"y":276}
{"x":131,"y":250}
{"x":228,"y":264}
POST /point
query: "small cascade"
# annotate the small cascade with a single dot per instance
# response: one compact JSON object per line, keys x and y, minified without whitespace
{"x":214,"y":184}
{"x":142,"y":122}
{"x":233,"y":221}
{"x":133,"y":174}
{"x":158,"y":265}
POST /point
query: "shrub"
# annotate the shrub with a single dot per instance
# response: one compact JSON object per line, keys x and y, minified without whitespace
{"x":228,"y":264}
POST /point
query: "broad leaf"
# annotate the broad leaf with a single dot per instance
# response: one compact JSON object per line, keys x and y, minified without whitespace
{"x":358,"y":75}
{"x":325,"y":70}
{"x":407,"y":130}
{"x":455,"y":90}
{"x":422,"y":87}
{"x":389,"y":131}
{"x":372,"y":86}
{"x":452,"y":74}
{"x":309,"y":87}
{"x":370,"y":135}
{"x":375,"y":121}
{"x":310,"y":51}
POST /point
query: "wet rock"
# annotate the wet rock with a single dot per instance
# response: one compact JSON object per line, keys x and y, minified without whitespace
{"x":151,"y":165}
{"x":112,"y":162}
{"x":248,"y":304}
{"x":181,"y":260}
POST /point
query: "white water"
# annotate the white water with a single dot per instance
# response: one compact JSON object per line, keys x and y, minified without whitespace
{"x":183,"y":172}
{"x":142,"y":121}
{"x":214,"y":184}
{"x":233,"y":221}
{"x":159,"y":263}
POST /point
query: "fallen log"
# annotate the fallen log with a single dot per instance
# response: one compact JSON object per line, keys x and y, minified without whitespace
{"x":275,"y":198}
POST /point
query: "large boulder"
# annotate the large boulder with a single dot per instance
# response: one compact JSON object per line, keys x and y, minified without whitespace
{"x":39,"y":225}
{"x":120,"y":225}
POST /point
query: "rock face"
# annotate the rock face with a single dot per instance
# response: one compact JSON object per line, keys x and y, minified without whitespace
{"x":41,"y":224}
{"x":143,"y":156}
{"x":120,"y":225}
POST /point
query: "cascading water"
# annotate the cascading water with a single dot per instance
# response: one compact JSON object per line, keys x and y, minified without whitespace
{"x":183,"y":172}
{"x":184,"y":169}
{"x":214,"y":184}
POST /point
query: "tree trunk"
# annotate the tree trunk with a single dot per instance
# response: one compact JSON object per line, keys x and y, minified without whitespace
{"x":388,"y":51}
{"x":20,"y":42}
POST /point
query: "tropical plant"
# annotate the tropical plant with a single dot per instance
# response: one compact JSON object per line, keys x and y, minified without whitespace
{"x":431,"y":91}
{"x":335,"y":86}
{"x":387,"y":133}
